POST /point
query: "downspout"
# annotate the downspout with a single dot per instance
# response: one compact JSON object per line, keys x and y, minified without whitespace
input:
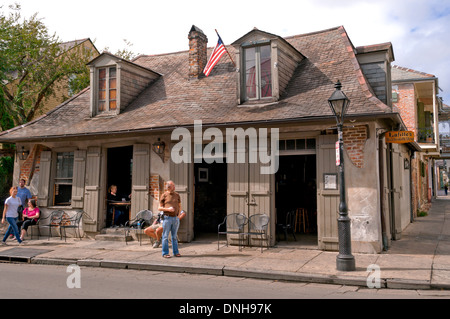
{"x":411,"y":191}
{"x":391,"y":194}
{"x":381,"y":178}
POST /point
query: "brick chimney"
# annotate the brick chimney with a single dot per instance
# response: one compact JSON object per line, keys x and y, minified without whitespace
{"x":197,"y":52}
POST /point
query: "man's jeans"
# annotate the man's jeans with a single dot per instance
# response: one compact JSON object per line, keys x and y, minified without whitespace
{"x":12,"y":229}
{"x":170,"y":224}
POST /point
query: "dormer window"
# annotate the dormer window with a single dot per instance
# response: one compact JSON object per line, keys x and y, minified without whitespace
{"x":107,"y":89}
{"x":115,"y":83}
{"x":266,"y":63}
{"x":258,"y":72}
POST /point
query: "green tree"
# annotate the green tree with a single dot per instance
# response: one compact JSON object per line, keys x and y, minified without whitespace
{"x":32,"y":63}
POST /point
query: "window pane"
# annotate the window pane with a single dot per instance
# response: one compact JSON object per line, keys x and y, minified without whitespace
{"x":101,"y":106}
{"x":266,"y":72}
{"x":290,"y":144}
{"x":112,"y":72}
{"x":281,"y":145}
{"x":300,"y":144}
{"x":64,"y":165}
{"x":102,"y":73}
{"x":112,"y":94}
{"x":101,"y":84}
{"x":112,"y":105}
{"x":250,"y":72}
{"x":112,"y":83}
{"x":101,"y":95}
{"x":311,"y":144}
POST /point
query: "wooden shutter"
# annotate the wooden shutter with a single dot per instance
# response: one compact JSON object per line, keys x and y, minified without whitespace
{"x":44,"y":178}
{"x":140,"y":178}
{"x":79,"y":170}
{"x":327,"y":199}
{"x":92,"y":183}
{"x":182,"y":175}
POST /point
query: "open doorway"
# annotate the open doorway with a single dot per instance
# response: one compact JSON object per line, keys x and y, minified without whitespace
{"x":295,"y":190}
{"x":210,"y":199}
{"x":119,"y":173}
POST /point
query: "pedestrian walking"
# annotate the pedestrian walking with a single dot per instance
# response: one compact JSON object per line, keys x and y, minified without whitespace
{"x":10,"y":214}
{"x":23,"y":193}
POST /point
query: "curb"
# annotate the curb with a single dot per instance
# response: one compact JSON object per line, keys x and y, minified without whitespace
{"x":386,"y":283}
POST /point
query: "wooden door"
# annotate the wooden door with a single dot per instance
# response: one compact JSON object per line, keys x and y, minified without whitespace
{"x":327,"y":199}
{"x":140,"y":179}
{"x":250,"y":192}
{"x":182,"y":175}
{"x":92,"y":186}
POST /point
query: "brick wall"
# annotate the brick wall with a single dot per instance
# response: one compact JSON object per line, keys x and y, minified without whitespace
{"x":31,"y":164}
{"x":156,"y":187}
{"x":354,"y":142}
{"x":197,"y":52}
{"x":406,"y":105}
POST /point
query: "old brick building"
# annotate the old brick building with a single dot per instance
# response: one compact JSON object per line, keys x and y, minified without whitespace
{"x":108,"y":134}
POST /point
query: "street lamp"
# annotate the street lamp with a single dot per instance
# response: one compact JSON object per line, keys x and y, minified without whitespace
{"x":345,"y":261}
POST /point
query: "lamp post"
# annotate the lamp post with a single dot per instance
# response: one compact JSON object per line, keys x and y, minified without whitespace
{"x":345,"y":261}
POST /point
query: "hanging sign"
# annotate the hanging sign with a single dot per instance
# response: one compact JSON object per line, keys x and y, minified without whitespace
{"x":400,"y":137}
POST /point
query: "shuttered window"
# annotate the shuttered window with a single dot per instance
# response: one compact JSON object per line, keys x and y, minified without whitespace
{"x":63,"y":179}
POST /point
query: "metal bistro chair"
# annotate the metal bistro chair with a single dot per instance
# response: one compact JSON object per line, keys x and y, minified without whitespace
{"x":54,"y":220}
{"x":138,"y":224}
{"x":258,"y":226}
{"x":73,"y":222}
{"x":232,"y":224}
{"x":31,"y":227}
{"x":289,"y":225}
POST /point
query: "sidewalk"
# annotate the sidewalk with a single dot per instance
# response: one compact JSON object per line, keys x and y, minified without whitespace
{"x":419,"y":260}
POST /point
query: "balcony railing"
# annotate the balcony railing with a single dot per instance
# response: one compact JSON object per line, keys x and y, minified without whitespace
{"x":425,"y":135}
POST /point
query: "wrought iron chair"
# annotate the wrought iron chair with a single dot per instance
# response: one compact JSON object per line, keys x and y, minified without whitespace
{"x":142,"y":220}
{"x":232,"y":224}
{"x":51,"y":221}
{"x":258,"y":226}
{"x":289,"y":224}
{"x":73,"y":222}
{"x":31,"y":227}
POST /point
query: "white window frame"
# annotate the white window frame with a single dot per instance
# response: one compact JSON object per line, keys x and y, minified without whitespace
{"x":107,"y":89}
{"x":54,"y":180}
{"x":258,"y":72}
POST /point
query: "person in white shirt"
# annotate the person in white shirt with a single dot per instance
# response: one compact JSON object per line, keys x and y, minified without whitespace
{"x":11,"y":215}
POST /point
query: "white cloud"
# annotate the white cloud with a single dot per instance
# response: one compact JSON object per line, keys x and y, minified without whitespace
{"x":417,"y":28}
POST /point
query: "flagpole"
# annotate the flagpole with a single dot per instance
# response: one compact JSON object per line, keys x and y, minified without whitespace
{"x":226,"y":48}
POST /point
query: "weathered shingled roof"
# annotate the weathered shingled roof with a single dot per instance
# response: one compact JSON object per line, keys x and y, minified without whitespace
{"x":402,"y":74}
{"x":174,"y":100}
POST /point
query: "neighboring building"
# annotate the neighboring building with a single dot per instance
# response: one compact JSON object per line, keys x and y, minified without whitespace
{"x":109,"y":134}
{"x":443,"y":164}
{"x":63,"y":91}
{"x":415,"y":96}
{"x":62,"y":88}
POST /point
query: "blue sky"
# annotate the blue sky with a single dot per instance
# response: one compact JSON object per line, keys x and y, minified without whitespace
{"x":418,"y":29}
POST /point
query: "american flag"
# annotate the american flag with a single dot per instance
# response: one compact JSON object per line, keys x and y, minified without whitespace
{"x":219,"y":50}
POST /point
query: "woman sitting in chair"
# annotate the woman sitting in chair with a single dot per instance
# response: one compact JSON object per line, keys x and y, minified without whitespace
{"x":119,"y":214}
{"x":30,"y":217}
